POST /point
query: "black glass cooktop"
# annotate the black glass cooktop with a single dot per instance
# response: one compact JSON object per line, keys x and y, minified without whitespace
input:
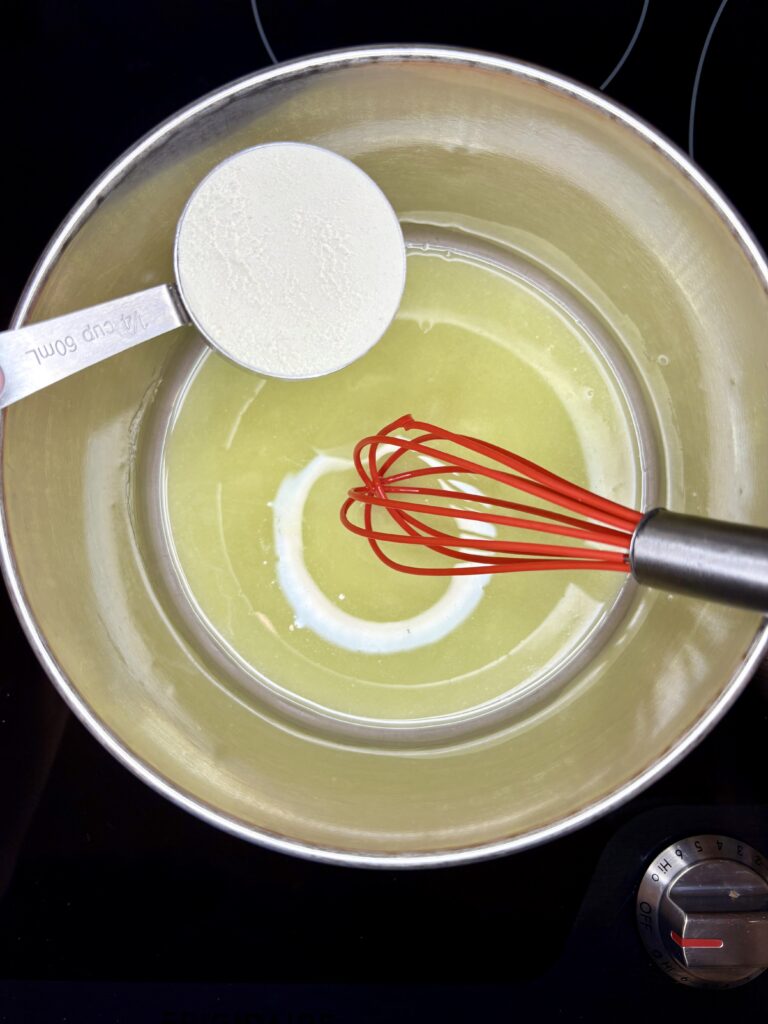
{"x":117,"y":906}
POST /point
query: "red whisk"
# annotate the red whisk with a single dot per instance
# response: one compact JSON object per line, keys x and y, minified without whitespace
{"x":677,"y":552}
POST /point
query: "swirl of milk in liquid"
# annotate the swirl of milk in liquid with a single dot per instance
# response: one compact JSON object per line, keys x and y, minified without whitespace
{"x":314,"y":610}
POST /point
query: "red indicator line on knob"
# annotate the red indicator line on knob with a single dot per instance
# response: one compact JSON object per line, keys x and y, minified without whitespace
{"x":696,"y":943}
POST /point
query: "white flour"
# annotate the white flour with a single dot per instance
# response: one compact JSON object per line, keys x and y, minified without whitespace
{"x":290,"y":260}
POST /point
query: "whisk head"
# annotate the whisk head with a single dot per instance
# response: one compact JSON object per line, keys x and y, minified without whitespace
{"x":458,"y":524}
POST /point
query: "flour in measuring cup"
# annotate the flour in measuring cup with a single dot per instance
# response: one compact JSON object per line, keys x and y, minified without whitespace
{"x":290,"y":260}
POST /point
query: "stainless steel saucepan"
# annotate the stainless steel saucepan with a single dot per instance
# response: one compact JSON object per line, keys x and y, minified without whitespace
{"x":570,"y":186}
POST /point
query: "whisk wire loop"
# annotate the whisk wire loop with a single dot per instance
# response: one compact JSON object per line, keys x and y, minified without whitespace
{"x":603,"y":524}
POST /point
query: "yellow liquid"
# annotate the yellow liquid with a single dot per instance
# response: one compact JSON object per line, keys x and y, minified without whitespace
{"x":474,"y":349}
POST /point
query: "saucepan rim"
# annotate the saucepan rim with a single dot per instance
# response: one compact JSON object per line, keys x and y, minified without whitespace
{"x":229,"y":823}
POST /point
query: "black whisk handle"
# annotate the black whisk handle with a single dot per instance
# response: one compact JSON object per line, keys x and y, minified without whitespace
{"x":702,"y":557}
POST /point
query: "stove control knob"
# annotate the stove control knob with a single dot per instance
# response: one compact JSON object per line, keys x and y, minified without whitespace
{"x":702,"y":910}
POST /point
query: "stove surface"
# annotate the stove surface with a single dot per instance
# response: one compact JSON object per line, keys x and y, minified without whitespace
{"x":117,"y":906}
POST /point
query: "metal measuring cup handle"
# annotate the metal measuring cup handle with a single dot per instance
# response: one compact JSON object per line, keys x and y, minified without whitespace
{"x":34,"y":356}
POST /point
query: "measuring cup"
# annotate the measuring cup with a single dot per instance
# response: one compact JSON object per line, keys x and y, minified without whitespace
{"x":288,"y":259}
